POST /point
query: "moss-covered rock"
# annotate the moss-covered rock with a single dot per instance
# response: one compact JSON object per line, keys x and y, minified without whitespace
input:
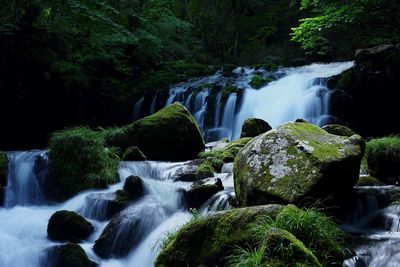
{"x":170,"y":134}
{"x":258,"y":81}
{"x":68,"y":226}
{"x":337,"y":129}
{"x":383,"y":158}
{"x":296,"y":161}
{"x":133,"y":153}
{"x":208,"y":241}
{"x":199,"y":194}
{"x":3,"y":168}
{"x":68,"y":255}
{"x":253,"y":127}
{"x":194,"y":171}
{"x":226,"y":153}
{"x":79,"y":160}
{"x":367,"y":180}
{"x":285,"y":246}
{"x":134,"y":186}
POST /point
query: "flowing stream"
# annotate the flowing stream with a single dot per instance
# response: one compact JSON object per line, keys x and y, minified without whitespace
{"x":25,"y":216}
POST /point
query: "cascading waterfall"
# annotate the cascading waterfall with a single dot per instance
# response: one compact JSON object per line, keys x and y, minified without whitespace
{"x":295,"y":93}
{"x":136,"y":239}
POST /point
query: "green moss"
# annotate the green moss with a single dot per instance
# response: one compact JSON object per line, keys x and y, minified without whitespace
{"x":226,"y":154}
{"x":208,"y":241}
{"x":79,"y":160}
{"x":204,"y":170}
{"x":317,"y":231}
{"x":258,"y":81}
{"x":3,"y":168}
{"x":368,"y":181}
{"x":133,"y":153}
{"x":383,"y":157}
{"x":169,"y":134}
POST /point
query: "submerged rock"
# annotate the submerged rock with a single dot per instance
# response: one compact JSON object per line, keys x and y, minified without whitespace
{"x":68,"y":255}
{"x":127,"y":228}
{"x":199,"y":194}
{"x":208,"y":241}
{"x":253,"y":127}
{"x":296,"y":161}
{"x":68,"y":226}
{"x":134,"y":187}
{"x":170,"y":134}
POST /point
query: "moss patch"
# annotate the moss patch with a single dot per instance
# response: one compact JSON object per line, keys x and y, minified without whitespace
{"x":79,"y":160}
{"x":258,"y":81}
{"x":369,"y":181}
{"x":383,"y":157}
{"x":226,"y":154}
{"x":204,"y":170}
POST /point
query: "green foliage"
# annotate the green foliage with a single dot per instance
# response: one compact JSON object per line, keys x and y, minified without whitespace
{"x":382,"y":156}
{"x":79,"y":160}
{"x":247,"y":257}
{"x":258,"y":81}
{"x":346,"y":25}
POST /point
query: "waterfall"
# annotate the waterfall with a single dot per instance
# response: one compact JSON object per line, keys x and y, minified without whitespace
{"x":295,"y":93}
{"x":153,"y":105}
{"x":23,"y":183}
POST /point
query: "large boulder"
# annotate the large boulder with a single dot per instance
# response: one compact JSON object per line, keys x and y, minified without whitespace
{"x":170,"y":134}
{"x":253,"y":127}
{"x":127,"y":228}
{"x":68,"y":226}
{"x":133,"y":186}
{"x":67,"y":255}
{"x":366,"y":96}
{"x":296,"y":161}
{"x":208,"y":241}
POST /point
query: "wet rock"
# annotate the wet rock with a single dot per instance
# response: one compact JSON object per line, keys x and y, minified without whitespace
{"x":337,"y":129}
{"x":68,"y":226}
{"x":133,"y":153}
{"x":195,"y":170}
{"x":253,"y":127}
{"x":68,"y":255}
{"x":134,"y":187}
{"x":199,"y":194}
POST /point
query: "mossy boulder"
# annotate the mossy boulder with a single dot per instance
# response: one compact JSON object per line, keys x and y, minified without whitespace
{"x":296,"y":161}
{"x":79,"y":160}
{"x":199,"y":194}
{"x":367,"y":180}
{"x":68,"y":226}
{"x":208,"y":241}
{"x":3,"y":168}
{"x":383,"y":158}
{"x":337,"y":129}
{"x":68,"y":255}
{"x":133,"y":153}
{"x":169,"y":134}
{"x":133,"y":186}
{"x":253,"y":127}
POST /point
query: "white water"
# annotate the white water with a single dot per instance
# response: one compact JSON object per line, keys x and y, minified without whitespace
{"x":296,"y":93}
{"x":23,"y":228}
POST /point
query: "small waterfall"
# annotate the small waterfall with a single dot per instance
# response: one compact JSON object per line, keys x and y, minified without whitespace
{"x":137,"y":110}
{"x":229,"y":116}
{"x":200,"y":107}
{"x":217,"y":109}
{"x":23,"y":186}
{"x":153,"y":105}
